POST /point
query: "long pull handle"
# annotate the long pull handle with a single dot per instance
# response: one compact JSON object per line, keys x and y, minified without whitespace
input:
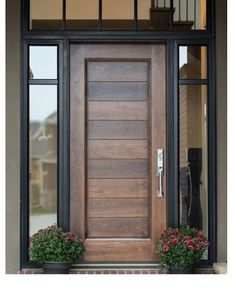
{"x":160,"y":172}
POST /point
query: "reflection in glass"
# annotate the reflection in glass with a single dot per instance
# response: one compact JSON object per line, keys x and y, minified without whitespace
{"x":43,"y":62}
{"x":144,"y":15}
{"x":190,"y":14}
{"x":46,"y":14}
{"x":82,"y":14}
{"x":186,"y":15}
{"x":193,"y":62}
{"x":193,"y":157}
{"x":118,"y":14}
{"x":43,"y":157}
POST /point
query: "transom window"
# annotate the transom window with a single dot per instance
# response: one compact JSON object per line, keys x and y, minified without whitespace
{"x":176,"y":15}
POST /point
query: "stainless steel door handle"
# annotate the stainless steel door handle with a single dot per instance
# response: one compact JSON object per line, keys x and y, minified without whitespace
{"x":160,"y":172}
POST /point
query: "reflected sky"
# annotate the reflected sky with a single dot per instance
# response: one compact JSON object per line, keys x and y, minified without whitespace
{"x":183,"y":56}
{"x":43,"y":101}
{"x":43,"y":98}
{"x":43,"y":62}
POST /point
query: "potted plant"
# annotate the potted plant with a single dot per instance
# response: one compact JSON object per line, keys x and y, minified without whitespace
{"x":181,"y":249}
{"x":55,"y":249}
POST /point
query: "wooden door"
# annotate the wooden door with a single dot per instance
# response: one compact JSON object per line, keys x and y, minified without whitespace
{"x":118,"y":121}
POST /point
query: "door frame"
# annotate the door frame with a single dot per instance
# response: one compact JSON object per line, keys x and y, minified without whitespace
{"x":172,"y":40}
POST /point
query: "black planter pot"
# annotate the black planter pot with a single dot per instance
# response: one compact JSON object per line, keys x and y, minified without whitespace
{"x":181,"y":270}
{"x":56,"y":267}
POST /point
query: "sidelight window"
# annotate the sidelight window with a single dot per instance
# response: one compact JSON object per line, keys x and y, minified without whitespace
{"x":42,"y":137}
{"x":193,"y":136}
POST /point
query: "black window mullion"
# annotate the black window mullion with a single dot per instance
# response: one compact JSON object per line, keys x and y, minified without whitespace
{"x":63,"y":136}
{"x":64,"y":14}
{"x":193,"y":82}
{"x":100,"y":14}
{"x":136,"y":14}
{"x":43,"y":82}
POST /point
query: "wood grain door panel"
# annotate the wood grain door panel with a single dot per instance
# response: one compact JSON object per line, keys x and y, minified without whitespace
{"x":117,"y":71}
{"x":117,"y":123}
{"x":117,"y":207}
{"x":117,"y":91}
{"x":118,"y":188}
{"x":125,"y":227}
{"x":117,"y":110}
{"x":118,"y":149}
{"x":118,"y":168}
{"x":118,"y":130}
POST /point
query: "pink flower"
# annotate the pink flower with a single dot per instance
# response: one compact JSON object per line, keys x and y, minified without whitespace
{"x":187,"y":242}
{"x":186,"y":238}
{"x":176,"y":232}
{"x":165,"y":249}
{"x":174,"y":241}
{"x":190,"y":247}
{"x":71,"y":238}
{"x":192,"y":241}
{"x":199,"y":233}
{"x":197,"y":247}
{"x":205,"y":243}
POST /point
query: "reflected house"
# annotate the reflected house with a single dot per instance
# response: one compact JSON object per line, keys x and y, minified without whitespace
{"x":43,"y":165}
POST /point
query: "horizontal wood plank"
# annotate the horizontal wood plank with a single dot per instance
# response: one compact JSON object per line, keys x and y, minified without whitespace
{"x":118,"y":188}
{"x":117,"y":207}
{"x":118,"y":149}
{"x":118,"y":168}
{"x":119,"y":251}
{"x":117,"y":71}
{"x":117,"y":91}
{"x":117,"y":110}
{"x":118,"y":130}
{"x":117,"y":227}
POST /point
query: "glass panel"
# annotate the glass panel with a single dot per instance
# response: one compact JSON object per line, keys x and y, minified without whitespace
{"x":46,"y":14}
{"x":190,"y":14}
{"x":43,"y":156}
{"x":193,"y":157}
{"x":118,"y":14}
{"x":193,"y":62}
{"x":82,"y":14}
{"x":43,"y":62}
{"x":144,"y":15}
{"x":187,"y":15}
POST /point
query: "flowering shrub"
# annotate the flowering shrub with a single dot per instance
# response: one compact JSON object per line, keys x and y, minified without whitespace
{"x":53,"y":245}
{"x":181,"y":247}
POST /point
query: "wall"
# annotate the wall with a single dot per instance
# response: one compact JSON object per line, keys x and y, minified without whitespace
{"x":221,"y":78}
{"x":13,"y":136}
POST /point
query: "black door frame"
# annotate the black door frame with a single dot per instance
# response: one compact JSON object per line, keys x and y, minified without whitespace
{"x":172,"y":40}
